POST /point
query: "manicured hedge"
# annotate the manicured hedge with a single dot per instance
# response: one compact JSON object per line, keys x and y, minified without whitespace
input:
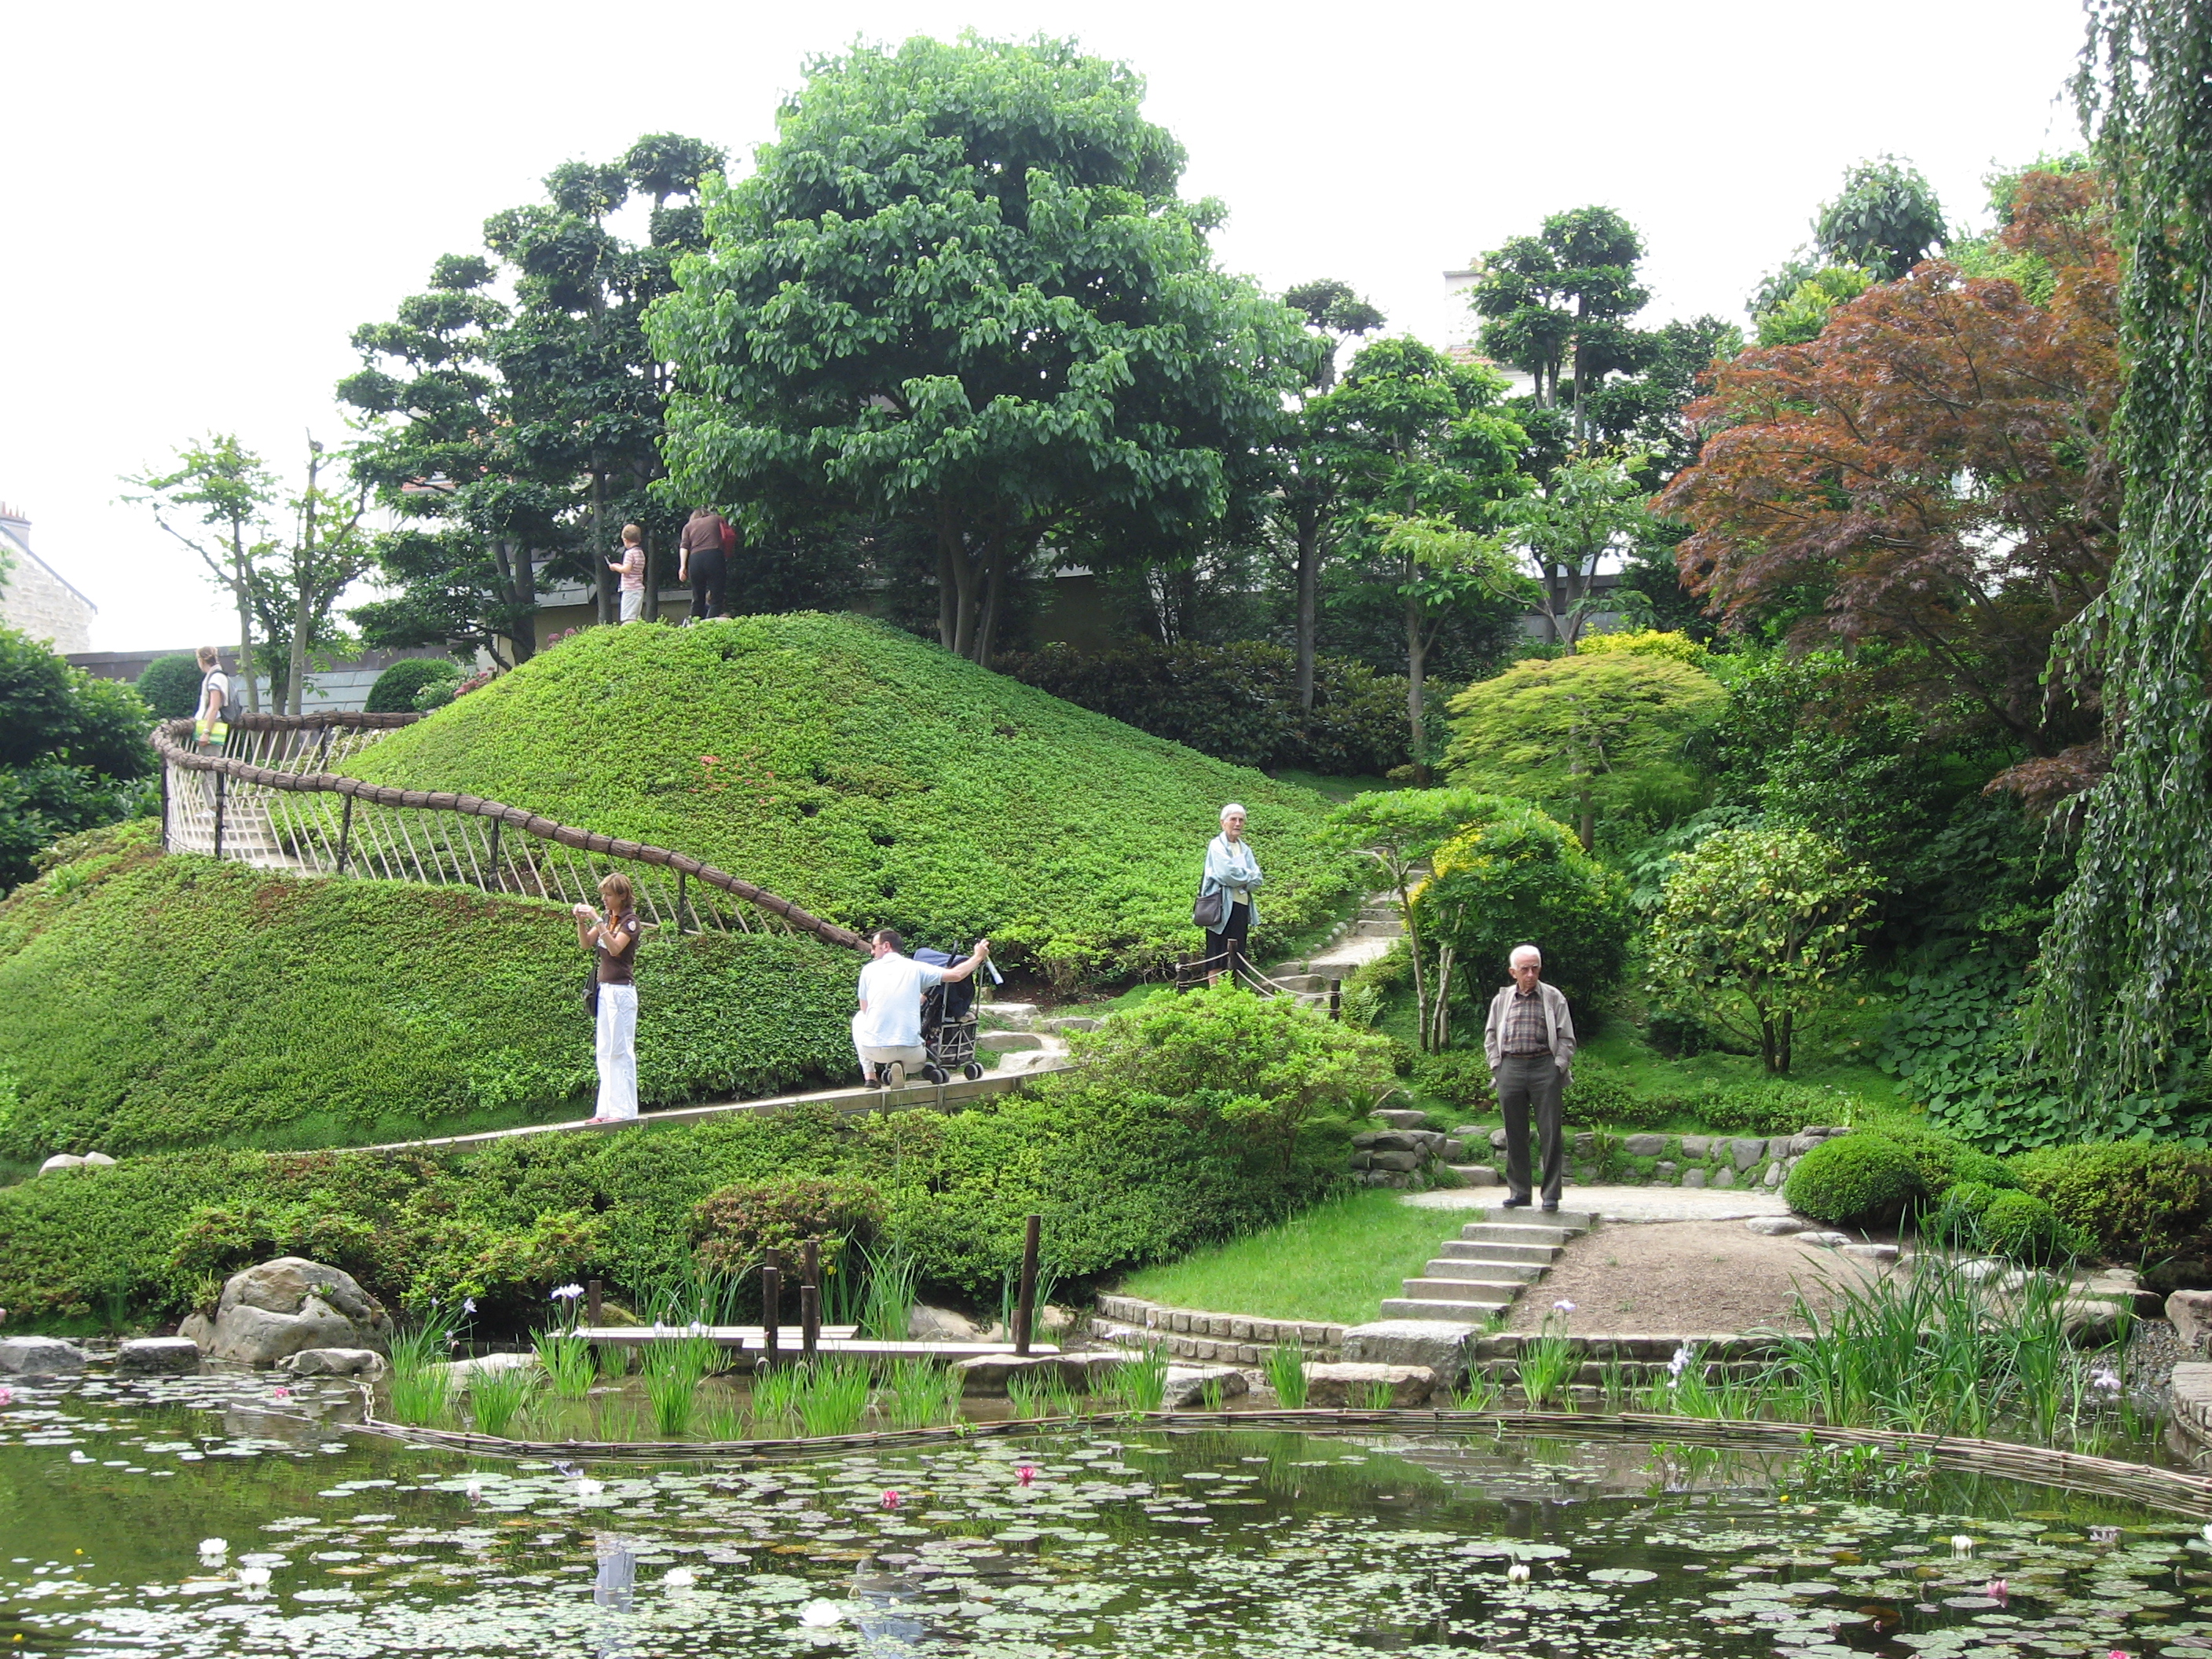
{"x":1237,"y":703}
{"x":170,"y":1002}
{"x":876,"y":779}
{"x":398,"y":686}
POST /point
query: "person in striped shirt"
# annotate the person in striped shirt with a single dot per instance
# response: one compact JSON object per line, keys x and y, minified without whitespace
{"x":631,"y":568}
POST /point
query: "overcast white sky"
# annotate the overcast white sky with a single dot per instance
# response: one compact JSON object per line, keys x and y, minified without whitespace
{"x":201,"y":202}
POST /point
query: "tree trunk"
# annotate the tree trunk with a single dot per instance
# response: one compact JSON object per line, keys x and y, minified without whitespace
{"x":303,"y":573}
{"x":239,"y":587}
{"x":525,"y":637}
{"x":1309,"y":522}
{"x":1413,"y":944}
{"x":610,"y":608}
{"x":994,"y":583}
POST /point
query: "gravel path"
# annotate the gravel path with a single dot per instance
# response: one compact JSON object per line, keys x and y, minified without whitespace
{"x":1621,"y":1203}
{"x":1689,"y":1278}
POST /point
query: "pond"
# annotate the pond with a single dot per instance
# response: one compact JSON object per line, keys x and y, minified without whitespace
{"x":1223,"y":1541}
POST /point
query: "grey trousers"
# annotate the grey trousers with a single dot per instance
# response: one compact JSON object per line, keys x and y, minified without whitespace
{"x":1527,"y":1082}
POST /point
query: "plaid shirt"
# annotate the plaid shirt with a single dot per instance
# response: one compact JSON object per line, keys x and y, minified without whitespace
{"x":1526,"y":1031}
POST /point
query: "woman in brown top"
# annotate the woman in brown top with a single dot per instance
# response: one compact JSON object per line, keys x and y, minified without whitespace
{"x":614,"y":940}
{"x":700,"y":561}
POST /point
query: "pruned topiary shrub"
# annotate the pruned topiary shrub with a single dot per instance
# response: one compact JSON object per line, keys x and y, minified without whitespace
{"x":399,"y":686}
{"x":1859,"y":1180}
{"x":1958,"y":1218}
{"x":2022,"y":1226}
{"x":736,"y":1227}
{"x":1943,"y":1163}
{"x":2132,"y":1200}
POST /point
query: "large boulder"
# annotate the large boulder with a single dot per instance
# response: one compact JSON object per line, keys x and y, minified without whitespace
{"x":1369,"y":1386}
{"x":40,"y":1356}
{"x":275,"y":1310}
{"x":2192,"y":1314}
{"x":336,"y":1362}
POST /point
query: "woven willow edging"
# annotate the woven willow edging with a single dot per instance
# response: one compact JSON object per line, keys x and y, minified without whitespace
{"x":171,"y":741}
{"x":2170,"y":1490}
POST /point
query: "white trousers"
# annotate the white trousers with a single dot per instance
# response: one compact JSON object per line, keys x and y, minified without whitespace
{"x":617,"y":1051}
{"x":633,"y":603}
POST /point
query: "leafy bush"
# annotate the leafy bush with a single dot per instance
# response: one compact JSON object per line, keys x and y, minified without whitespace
{"x":1271,"y":1069}
{"x":173,"y":1001}
{"x":1943,"y":1163}
{"x":1122,"y":1179}
{"x":2022,"y":1226}
{"x":170,"y":686}
{"x":1515,"y":876}
{"x":1237,"y":702}
{"x":736,"y":1227}
{"x":878,"y":780}
{"x":2132,"y":1201}
{"x":1756,"y":925}
{"x":1461,"y":1076}
{"x":1859,"y":1180}
{"x":70,"y":747}
{"x":1958,"y":1218}
{"x":398,"y":686}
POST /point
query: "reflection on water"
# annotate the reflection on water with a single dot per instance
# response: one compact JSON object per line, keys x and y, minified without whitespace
{"x":1221,"y":1542}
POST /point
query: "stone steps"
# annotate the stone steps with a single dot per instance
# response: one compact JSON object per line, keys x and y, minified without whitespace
{"x":1469,"y":1312}
{"x":1494,"y":1272}
{"x":1467,"y":1250}
{"x":1482,"y":1272}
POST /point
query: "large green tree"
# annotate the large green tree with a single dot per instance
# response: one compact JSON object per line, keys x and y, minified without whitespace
{"x":2125,"y":958}
{"x":216,"y":500}
{"x":1427,"y":457}
{"x":509,"y":435}
{"x":1555,"y":305}
{"x":961,"y":292}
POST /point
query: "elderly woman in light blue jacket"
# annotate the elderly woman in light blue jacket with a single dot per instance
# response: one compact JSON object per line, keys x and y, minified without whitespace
{"x":1233,"y":872}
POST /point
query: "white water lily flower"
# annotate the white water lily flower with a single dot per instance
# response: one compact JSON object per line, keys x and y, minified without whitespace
{"x":1962,"y":1544}
{"x":253,"y":1577}
{"x":680,"y":1578}
{"x":820,"y":1615}
{"x":222,"y":1546}
{"x":587,"y":1487}
{"x":1518,"y":1573}
{"x":2208,"y":1535}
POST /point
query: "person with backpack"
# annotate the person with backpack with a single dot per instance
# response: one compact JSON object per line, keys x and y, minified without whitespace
{"x":702,"y":560}
{"x":211,"y":719}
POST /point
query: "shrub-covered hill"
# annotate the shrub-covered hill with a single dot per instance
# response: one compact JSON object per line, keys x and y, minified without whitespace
{"x":159,"y":1001}
{"x":876,"y":779}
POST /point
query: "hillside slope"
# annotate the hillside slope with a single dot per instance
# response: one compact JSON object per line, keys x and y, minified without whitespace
{"x":876,"y":779}
{"x":173,"y":1001}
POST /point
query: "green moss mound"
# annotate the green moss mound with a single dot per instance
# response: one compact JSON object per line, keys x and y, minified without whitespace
{"x":2022,"y":1226}
{"x":878,"y":780}
{"x":173,"y":1001}
{"x":1858,"y":1179}
{"x":398,"y":686}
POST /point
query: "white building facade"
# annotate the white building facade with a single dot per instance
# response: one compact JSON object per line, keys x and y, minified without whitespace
{"x":35,"y":599}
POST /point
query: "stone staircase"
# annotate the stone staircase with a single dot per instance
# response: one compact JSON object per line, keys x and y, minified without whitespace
{"x":1370,"y":934}
{"x":1024,"y":1037}
{"x":1483,"y":1271}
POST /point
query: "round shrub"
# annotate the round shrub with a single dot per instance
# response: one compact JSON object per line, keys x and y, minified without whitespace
{"x":1958,"y":1218}
{"x":734,"y":1229}
{"x":1860,"y":1180}
{"x":2022,"y":1226}
{"x":398,"y":686}
{"x":1943,"y":1163}
{"x":1515,"y":876}
{"x":2130,"y":1200}
{"x":171,"y":687}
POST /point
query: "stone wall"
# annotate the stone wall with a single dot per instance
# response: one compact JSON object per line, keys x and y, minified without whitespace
{"x":43,"y":607}
{"x":1407,"y":1155}
{"x":1226,"y":1339}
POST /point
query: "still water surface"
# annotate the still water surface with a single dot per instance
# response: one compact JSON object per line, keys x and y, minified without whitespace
{"x":1244,"y":1543}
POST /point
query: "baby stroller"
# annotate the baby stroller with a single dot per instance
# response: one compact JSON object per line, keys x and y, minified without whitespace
{"x":948,"y":1024}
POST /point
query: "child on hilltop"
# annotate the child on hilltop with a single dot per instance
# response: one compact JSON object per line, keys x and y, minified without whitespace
{"x":631,"y":568}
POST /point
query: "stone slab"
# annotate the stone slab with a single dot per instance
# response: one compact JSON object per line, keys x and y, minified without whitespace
{"x":1438,"y":1346}
{"x":2191,"y":1390}
{"x":1186,"y":1389}
{"x":344,"y":1362}
{"x":158,"y":1356}
{"x":1776,"y":1226}
{"x":2192,"y":1314}
{"x":1627,"y":1203}
{"x":1349,"y":1384}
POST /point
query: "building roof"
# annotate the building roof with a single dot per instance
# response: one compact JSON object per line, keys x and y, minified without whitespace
{"x":15,"y":539}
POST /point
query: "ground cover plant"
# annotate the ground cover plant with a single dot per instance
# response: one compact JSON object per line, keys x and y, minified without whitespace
{"x":175,"y":1002}
{"x":876,"y":779}
{"x":1121,"y":1175}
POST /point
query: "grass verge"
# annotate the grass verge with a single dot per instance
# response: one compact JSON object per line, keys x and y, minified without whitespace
{"x":1336,"y":1262}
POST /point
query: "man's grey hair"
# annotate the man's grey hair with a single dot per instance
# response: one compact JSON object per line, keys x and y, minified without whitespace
{"x":1235,"y":807}
{"x":1521,"y":950}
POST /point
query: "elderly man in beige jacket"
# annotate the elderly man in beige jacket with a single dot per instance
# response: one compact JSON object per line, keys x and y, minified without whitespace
{"x":1529,"y":1040}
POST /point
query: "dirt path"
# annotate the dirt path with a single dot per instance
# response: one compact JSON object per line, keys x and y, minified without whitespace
{"x":1689,"y":1277}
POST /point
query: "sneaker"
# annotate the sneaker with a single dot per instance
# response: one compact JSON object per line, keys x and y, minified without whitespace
{"x":894,"y":1075}
{"x":1519,"y":1203}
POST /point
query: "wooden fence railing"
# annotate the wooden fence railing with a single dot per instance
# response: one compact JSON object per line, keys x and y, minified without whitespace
{"x":268,"y":799}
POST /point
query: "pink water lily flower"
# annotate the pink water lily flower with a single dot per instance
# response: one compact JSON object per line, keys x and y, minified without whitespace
{"x":1026,"y":1474}
{"x":892,"y":1500}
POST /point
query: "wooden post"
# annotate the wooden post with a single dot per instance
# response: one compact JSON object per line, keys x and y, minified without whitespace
{"x":345,"y":835}
{"x":1025,"y":1303}
{"x":809,"y":1296}
{"x":591,"y":1299}
{"x":680,"y":928}
{"x":1336,"y":999}
{"x":771,"y":1304}
{"x":165,"y":806}
{"x":218,"y":814}
{"x":499,"y":882}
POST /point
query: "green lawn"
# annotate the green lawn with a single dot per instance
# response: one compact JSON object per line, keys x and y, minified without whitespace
{"x":1336,"y":1262}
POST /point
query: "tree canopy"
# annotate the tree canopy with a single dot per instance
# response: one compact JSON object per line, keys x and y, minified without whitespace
{"x":960,"y":291}
{"x":71,"y":748}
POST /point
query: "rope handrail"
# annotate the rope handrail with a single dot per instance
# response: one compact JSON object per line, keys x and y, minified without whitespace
{"x":171,"y":742}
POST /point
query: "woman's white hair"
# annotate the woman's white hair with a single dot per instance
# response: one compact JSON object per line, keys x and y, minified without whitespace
{"x":1235,"y":807}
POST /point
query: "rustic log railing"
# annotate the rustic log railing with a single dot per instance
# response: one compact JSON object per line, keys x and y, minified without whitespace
{"x":268,"y":799}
